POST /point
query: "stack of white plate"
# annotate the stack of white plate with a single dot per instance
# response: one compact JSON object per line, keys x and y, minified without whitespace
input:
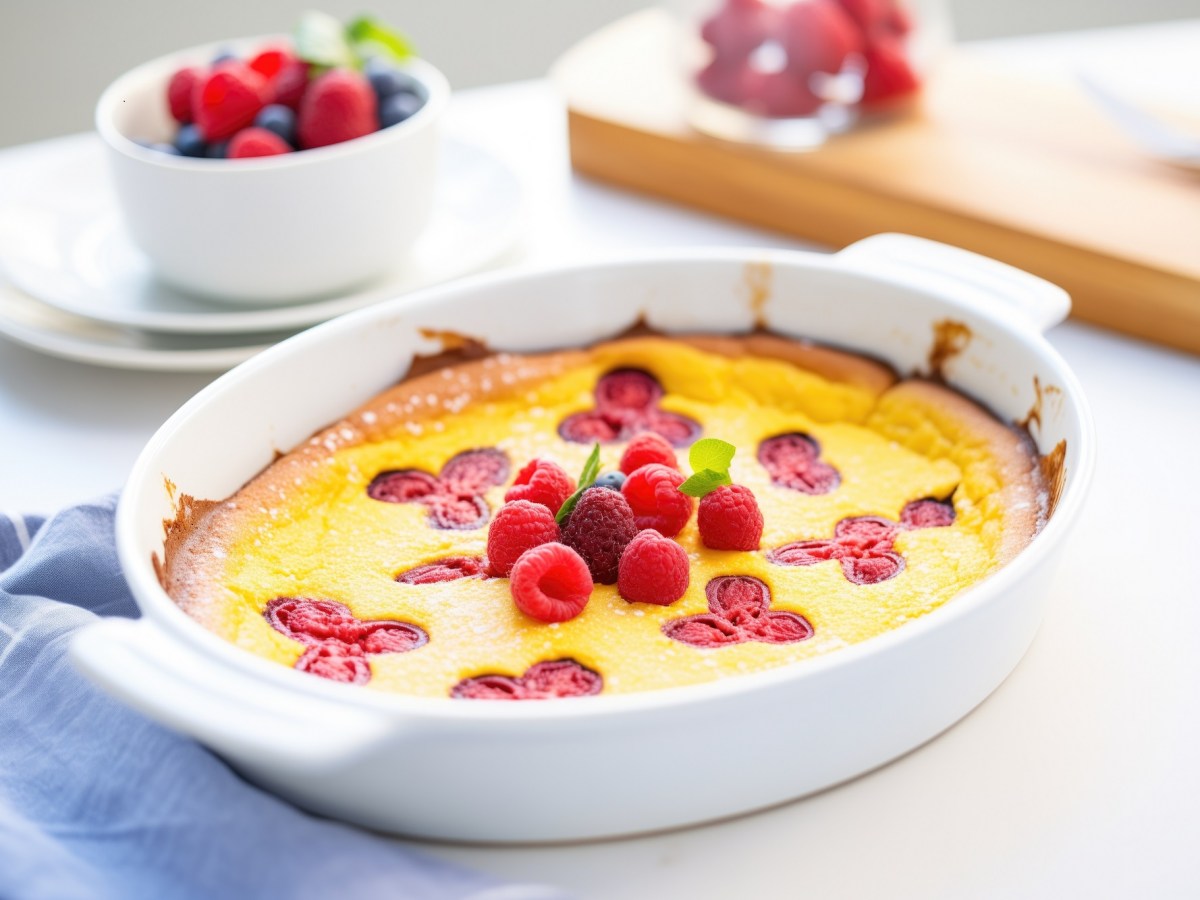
{"x":75,"y":286}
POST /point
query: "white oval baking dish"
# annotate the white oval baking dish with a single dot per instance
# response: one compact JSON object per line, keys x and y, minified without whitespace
{"x":597,"y":766}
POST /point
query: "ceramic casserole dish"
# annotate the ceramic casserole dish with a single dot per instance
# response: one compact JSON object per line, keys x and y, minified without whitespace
{"x":576,"y":768}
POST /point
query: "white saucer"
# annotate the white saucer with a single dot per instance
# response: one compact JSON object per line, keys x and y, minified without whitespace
{"x":64,"y":244}
{"x":34,"y":324}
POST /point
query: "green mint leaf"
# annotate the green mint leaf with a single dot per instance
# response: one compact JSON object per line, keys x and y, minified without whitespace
{"x":591,"y":469}
{"x":704,"y":482}
{"x":711,"y":453}
{"x":370,"y":37}
{"x":321,"y":40}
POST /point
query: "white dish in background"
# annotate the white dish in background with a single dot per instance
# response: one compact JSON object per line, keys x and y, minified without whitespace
{"x":65,"y":244}
{"x":276,"y":229}
{"x":603,"y":765}
{"x":55,"y":333}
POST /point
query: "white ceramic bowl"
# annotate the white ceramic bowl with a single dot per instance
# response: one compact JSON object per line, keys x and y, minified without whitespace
{"x":272,"y":229}
{"x":604,"y":765}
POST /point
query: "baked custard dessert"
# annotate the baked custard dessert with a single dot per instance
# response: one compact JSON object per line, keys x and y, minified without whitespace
{"x":647,"y":513}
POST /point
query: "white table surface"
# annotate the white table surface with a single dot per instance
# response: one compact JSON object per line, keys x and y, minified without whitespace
{"x":1079,"y":777}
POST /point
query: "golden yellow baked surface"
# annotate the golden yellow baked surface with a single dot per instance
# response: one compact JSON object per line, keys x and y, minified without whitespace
{"x":306,"y":527}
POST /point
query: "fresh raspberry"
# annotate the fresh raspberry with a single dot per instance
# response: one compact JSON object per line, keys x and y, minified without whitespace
{"x":251,"y":142}
{"x":551,"y":583}
{"x":338,"y":106}
{"x":179,"y":93}
{"x":450,"y":568}
{"x":270,"y":62}
{"x":889,"y":77}
{"x":547,"y":680}
{"x":654,"y":569}
{"x":517,"y":527}
{"x":542,"y":481}
{"x":730,"y":519}
{"x":598,"y":529}
{"x":654,"y":496}
{"x":287,"y":76}
{"x":645,"y":449}
{"x":227,"y":100}
{"x":289,"y":86}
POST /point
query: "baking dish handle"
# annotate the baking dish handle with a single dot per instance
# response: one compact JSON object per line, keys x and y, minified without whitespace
{"x":1043,"y":304}
{"x":159,"y":676}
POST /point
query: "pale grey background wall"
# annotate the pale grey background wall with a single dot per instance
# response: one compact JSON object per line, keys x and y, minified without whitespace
{"x":56,"y":55}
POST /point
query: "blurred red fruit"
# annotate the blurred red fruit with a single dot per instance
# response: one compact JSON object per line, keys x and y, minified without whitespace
{"x":287,"y":76}
{"x":338,"y":106}
{"x":270,"y":62}
{"x":227,"y":100}
{"x":818,"y":35}
{"x":289,"y":85}
{"x":179,"y":93}
{"x":783,"y":94}
{"x":889,"y":77}
{"x":256,"y":142}
{"x":738,"y":29}
{"x":724,"y":81}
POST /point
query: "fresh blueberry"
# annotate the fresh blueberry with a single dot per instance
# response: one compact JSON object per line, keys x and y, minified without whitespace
{"x":279,"y":119}
{"x":224,"y":56}
{"x":165,"y":148}
{"x":190,"y":142}
{"x":398,"y":107}
{"x":611,"y":480}
{"x":219,"y":150}
{"x":387,"y":80}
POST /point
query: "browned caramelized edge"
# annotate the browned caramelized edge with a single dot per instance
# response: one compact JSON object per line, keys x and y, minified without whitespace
{"x":1053,"y":470}
{"x":950,"y":339}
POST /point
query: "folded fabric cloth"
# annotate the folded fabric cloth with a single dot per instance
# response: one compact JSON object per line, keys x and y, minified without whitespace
{"x":97,"y":801}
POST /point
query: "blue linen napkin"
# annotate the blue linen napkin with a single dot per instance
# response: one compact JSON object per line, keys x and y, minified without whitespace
{"x":97,"y":801}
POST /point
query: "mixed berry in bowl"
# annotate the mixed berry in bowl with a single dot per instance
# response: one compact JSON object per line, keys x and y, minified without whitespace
{"x":327,"y":84}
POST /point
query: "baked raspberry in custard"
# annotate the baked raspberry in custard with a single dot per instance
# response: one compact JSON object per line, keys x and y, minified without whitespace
{"x":361,"y":556}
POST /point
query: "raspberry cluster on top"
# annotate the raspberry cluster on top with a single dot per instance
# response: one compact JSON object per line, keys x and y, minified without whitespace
{"x":555,"y":538}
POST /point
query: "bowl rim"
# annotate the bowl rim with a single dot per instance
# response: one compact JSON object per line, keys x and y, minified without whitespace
{"x":160,"y":68}
{"x":161,"y":612}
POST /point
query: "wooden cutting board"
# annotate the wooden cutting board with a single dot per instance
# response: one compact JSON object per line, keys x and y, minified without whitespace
{"x":1025,"y":171}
